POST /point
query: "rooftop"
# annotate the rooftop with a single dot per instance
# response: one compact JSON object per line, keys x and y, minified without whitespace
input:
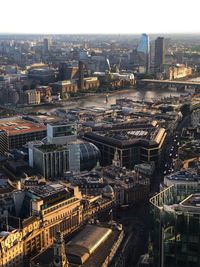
{"x":18,"y":125}
{"x":51,"y":148}
{"x":192,"y":201}
{"x":189,"y":175}
{"x":95,"y":258}
{"x":50,"y":189}
{"x":129,"y":133}
{"x":65,"y":82}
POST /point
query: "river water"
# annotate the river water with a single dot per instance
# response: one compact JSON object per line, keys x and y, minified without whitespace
{"x":99,"y":100}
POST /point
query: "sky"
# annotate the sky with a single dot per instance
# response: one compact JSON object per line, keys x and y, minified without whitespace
{"x":99,"y":16}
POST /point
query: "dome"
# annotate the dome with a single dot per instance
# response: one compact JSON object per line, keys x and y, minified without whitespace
{"x":89,"y":155}
{"x":108,"y":191}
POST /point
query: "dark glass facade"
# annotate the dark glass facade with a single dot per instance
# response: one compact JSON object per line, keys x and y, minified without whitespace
{"x":175,"y":231}
{"x":89,"y":155}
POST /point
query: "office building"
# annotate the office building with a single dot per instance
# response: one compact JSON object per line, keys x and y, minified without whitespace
{"x":61,"y":133}
{"x":53,"y":161}
{"x":143,"y":51}
{"x":46,"y":45}
{"x":175,"y":218}
{"x":20,"y":131}
{"x":159,"y":54}
{"x":136,"y":143}
{"x":3,"y":142}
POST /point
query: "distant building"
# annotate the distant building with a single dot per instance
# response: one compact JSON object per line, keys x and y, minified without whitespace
{"x":46,"y":45}
{"x":30,"y":97}
{"x":178,"y":71}
{"x":91,"y":83}
{"x":64,"y":87}
{"x":9,"y":96}
{"x":42,"y":75}
{"x":67,"y":72}
{"x":143,"y":51}
{"x":159,"y":54}
{"x":45,"y":93}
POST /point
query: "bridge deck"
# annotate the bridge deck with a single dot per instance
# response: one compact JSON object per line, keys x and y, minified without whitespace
{"x":187,"y":83}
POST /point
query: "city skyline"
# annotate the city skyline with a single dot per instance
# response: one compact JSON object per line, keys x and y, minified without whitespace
{"x":93,"y":17}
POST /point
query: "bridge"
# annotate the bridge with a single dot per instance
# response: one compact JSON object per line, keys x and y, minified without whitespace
{"x":169,"y":83}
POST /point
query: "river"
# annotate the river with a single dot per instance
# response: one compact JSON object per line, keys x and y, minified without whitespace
{"x":99,"y":100}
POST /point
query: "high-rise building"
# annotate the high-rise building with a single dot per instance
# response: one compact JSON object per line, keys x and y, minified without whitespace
{"x":46,"y":44}
{"x":143,"y":51}
{"x":159,"y":54}
{"x":81,"y":75}
{"x":175,"y":225}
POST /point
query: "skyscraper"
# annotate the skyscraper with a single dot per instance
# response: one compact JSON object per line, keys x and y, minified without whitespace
{"x":159,"y":53}
{"x":46,"y":45}
{"x":143,"y":51}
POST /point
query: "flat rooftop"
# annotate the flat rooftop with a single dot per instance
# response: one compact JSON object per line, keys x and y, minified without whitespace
{"x":18,"y":125}
{"x":44,"y":191}
{"x":129,"y":133}
{"x":51,"y":148}
{"x":189,"y":175}
{"x":192,"y":201}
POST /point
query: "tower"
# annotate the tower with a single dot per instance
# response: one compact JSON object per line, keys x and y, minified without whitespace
{"x":81,"y":75}
{"x":159,"y":53}
{"x":143,"y":52}
{"x":46,"y":45}
{"x":60,"y":259}
{"x":116,"y":160}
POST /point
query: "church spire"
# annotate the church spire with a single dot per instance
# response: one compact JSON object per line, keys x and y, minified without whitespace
{"x":116,"y":160}
{"x":60,"y":259}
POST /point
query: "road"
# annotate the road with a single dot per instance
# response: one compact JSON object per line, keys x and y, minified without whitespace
{"x":135,"y":221}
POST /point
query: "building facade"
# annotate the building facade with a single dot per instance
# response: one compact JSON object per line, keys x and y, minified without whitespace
{"x":43,"y":210}
{"x":175,"y":216}
{"x":159,"y":54}
{"x":134,"y":143}
{"x":143,"y":52}
{"x":30,"y":97}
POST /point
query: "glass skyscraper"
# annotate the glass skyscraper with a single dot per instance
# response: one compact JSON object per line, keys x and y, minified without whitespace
{"x":175,"y":226}
{"x":143,"y":51}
